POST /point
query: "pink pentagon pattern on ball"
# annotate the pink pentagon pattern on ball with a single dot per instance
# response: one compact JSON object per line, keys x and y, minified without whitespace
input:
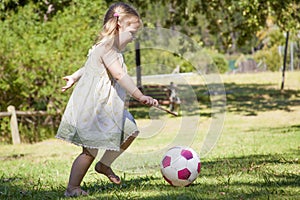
{"x":187,"y":154}
{"x":166,"y":161}
{"x":199,"y":167}
{"x":184,"y":174}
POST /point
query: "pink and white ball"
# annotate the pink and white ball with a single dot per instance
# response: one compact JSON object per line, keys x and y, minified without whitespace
{"x":180,"y":166}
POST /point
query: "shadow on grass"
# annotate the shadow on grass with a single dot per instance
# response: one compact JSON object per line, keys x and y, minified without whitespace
{"x":251,"y":98}
{"x":245,"y":99}
{"x":248,"y":99}
{"x":20,"y":187}
{"x":277,"y":130}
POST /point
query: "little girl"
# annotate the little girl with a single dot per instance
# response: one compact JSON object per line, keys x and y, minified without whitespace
{"x":95,"y":116}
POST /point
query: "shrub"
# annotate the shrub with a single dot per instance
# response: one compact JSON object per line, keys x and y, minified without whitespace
{"x":218,"y":62}
{"x":36,"y":54}
{"x":269,"y":58}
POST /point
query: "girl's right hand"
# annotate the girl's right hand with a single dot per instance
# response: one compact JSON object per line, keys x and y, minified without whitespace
{"x":147,"y":100}
{"x":70,"y":82}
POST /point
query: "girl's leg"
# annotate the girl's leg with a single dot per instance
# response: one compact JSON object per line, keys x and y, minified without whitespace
{"x":79,"y":168}
{"x":103,"y":166}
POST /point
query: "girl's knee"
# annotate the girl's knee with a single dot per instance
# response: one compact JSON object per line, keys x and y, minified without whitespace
{"x":90,"y":152}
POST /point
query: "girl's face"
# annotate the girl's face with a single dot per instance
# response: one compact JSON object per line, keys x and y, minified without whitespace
{"x":130,"y":24}
{"x":127,"y":29}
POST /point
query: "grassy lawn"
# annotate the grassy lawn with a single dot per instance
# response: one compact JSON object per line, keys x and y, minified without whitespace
{"x":256,"y":156}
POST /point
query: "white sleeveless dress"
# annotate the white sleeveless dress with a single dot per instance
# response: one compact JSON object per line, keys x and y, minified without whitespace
{"x":95,"y":116}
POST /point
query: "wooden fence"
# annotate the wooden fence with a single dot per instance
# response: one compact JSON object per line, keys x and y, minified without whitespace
{"x":13,"y":113}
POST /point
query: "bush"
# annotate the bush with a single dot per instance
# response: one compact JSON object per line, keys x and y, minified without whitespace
{"x":269,"y":58}
{"x":218,"y":62}
{"x":36,"y":54}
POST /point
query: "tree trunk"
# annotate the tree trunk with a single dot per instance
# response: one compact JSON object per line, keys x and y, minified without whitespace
{"x":284,"y":59}
{"x":138,"y":65}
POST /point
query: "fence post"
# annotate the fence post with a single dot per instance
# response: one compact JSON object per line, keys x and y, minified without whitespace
{"x":14,"y":125}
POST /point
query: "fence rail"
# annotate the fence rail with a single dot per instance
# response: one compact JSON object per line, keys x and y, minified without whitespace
{"x":13,"y":113}
{"x":24,"y":113}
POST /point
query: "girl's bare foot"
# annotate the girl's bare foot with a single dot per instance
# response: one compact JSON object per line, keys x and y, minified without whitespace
{"x":75,"y":192}
{"x":107,"y":171}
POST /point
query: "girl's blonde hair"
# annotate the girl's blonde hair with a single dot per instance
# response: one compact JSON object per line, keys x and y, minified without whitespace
{"x":116,"y":12}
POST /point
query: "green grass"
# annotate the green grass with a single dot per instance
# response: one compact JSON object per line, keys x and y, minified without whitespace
{"x":256,"y":157}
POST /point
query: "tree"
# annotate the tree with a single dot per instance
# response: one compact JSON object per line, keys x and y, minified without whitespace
{"x":288,"y":20}
{"x":237,"y":21}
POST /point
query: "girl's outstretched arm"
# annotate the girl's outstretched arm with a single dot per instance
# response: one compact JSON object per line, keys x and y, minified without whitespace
{"x":71,"y":79}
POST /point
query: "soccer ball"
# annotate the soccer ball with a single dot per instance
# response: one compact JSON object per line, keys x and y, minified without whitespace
{"x":180,"y":166}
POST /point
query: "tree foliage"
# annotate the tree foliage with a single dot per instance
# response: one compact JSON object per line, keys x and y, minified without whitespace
{"x":237,"y":21}
{"x":36,"y":53}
